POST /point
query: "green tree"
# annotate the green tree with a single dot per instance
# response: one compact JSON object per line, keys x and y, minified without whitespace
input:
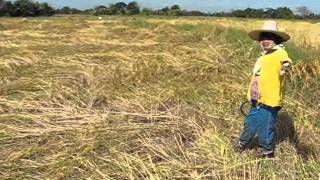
{"x":89,"y":11}
{"x":284,"y":12}
{"x":253,"y":13}
{"x":102,"y":10}
{"x":6,"y":8}
{"x":175,"y":7}
{"x":46,"y":9}
{"x":65,"y":10}
{"x":175,"y":10}
{"x":75,"y":11}
{"x":164,"y":11}
{"x":270,"y":13}
{"x":196,"y":13}
{"x":3,"y":9}
{"x":238,"y":13}
{"x":146,"y":12}
{"x":119,"y":8}
{"x":133,"y":8}
{"x":26,"y":8}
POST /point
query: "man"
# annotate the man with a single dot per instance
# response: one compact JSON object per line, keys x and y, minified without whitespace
{"x":265,"y":88}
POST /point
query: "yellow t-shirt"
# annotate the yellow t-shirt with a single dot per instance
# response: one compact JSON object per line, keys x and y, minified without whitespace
{"x":269,"y":85}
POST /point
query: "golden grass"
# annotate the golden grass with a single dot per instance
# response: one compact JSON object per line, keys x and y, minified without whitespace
{"x":302,"y":33}
{"x":130,"y":98}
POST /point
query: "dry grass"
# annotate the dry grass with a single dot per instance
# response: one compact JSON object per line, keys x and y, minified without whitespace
{"x":305,"y":34}
{"x":129,"y":98}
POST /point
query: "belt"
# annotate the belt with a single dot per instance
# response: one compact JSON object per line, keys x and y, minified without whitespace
{"x":256,"y":104}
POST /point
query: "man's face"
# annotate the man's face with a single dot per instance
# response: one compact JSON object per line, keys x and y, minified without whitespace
{"x":267,"y":44}
{"x":267,"y":41}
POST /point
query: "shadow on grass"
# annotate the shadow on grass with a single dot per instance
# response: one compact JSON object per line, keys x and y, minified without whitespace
{"x":285,"y":131}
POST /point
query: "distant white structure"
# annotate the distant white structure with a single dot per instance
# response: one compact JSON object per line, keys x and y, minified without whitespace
{"x":24,"y":19}
{"x":99,"y":17}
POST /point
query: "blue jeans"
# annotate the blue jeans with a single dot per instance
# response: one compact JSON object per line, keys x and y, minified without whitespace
{"x":260,"y":121}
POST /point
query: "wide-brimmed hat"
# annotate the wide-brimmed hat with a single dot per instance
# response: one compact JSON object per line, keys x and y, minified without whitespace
{"x":271,"y":27}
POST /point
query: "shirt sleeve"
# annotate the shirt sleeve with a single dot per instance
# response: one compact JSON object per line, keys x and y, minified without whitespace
{"x":285,"y":61}
{"x":284,"y":57}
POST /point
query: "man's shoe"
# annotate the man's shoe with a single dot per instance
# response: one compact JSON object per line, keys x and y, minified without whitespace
{"x":239,"y":148}
{"x":269,"y":156}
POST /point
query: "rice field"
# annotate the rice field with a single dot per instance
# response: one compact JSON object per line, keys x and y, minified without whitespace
{"x":303,"y":33}
{"x":147,"y":98}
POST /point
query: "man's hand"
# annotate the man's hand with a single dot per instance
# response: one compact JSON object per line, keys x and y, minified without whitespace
{"x":286,"y":67}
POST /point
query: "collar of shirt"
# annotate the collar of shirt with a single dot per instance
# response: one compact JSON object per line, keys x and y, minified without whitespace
{"x":269,"y":51}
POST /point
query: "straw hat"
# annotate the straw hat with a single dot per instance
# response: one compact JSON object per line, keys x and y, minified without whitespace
{"x":271,"y":27}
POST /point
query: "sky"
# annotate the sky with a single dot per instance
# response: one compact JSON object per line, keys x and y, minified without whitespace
{"x":202,"y":5}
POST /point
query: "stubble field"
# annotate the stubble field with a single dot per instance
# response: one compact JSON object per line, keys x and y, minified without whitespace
{"x":147,"y":98}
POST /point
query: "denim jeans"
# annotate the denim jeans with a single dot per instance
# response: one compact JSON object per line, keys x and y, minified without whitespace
{"x":260,"y":121}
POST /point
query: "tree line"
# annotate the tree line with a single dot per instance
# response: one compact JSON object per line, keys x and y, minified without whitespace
{"x":24,"y":8}
{"x":278,"y":13}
